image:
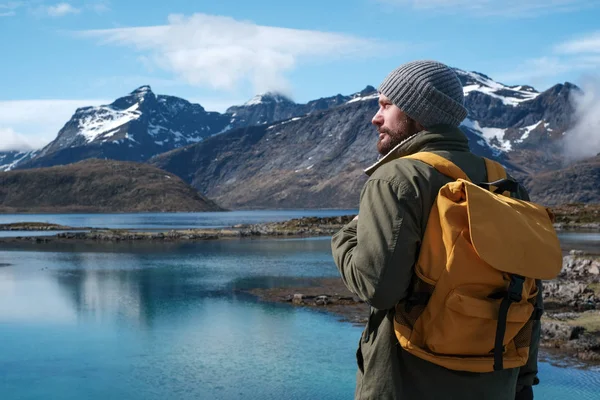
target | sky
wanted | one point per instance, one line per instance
(57, 56)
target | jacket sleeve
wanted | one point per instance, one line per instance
(376, 253)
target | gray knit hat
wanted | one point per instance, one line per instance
(427, 91)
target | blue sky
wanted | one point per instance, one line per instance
(57, 55)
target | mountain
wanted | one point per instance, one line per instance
(304, 162)
(98, 186)
(134, 128)
(271, 107)
(316, 160)
(10, 159)
(273, 152)
(140, 125)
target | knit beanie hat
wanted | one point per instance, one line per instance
(427, 91)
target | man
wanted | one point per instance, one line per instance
(421, 105)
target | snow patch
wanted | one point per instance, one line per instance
(493, 136)
(511, 96)
(527, 130)
(103, 120)
(364, 98)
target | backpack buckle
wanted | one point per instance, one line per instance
(515, 288)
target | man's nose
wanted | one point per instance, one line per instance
(377, 119)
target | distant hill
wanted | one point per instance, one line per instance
(98, 186)
(576, 183)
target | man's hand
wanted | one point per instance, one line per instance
(355, 218)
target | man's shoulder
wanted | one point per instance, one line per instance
(402, 170)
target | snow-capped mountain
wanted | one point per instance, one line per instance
(10, 159)
(135, 128)
(510, 118)
(316, 159)
(270, 107)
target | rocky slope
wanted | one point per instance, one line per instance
(98, 186)
(576, 183)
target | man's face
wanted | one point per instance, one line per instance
(393, 125)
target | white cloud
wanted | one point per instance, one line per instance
(583, 139)
(61, 9)
(11, 140)
(8, 14)
(35, 123)
(584, 45)
(505, 8)
(224, 53)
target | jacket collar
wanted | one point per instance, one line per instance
(436, 138)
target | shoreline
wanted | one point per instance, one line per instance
(297, 227)
(570, 324)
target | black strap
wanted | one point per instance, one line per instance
(416, 299)
(502, 185)
(513, 295)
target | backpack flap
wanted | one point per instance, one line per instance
(511, 235)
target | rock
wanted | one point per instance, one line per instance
(322, 300)
(560, 332)
(298, 298)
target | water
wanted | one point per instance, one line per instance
(165, 320)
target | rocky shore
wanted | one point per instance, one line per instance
(36, 226)
(577, 216)
(571, 322)
(308, 226)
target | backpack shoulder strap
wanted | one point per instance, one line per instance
(495, 170)
(441, 164)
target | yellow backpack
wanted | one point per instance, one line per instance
(474, 292)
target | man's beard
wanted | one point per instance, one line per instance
(394, 139)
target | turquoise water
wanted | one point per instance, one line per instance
(166, 321)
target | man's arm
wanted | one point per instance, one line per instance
(375, 253)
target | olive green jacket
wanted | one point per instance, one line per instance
(375, 255)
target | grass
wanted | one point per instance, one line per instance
(590, 320)
(595, 287)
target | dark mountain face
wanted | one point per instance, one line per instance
(134, 127)
(578, 182)
(312, 161)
